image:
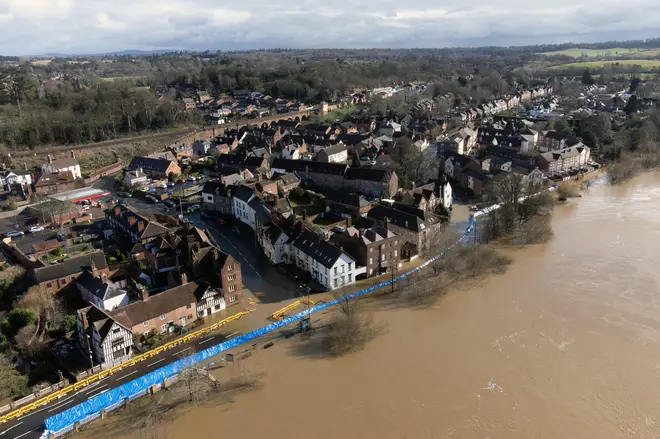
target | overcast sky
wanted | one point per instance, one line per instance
(92, 26)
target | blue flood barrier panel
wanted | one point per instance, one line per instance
(66, 419)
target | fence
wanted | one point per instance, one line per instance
(107, 372)
(65, 421)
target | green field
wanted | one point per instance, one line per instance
(121, 78)
(644, 63)
(614, 52)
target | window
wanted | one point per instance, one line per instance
(336, 283)
(116, 331)
(335, 270)
(189, 317)
(371, 250)
(395, 253)
(349, 266)
(232, 288)
(145, 323)
(162, 316)
(343, 268)
(188, 306)
(49, 284)
(233, 298)
(217, 307)
(371, 261)
(230, 267)
(382, 257)
(350, 277)
(164, 328)
(395, 242)
(231, 277)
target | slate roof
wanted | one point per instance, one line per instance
(351, 199)
(288, 179)
(96, 286)
(397, 218)
(149, 164)
(66, 162)
(70, 267)
(370, 174)
(244, 193)
(334, 149)
(215, 188)
(307, 166)
(319, 249)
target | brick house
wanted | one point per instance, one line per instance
(377, 248)
(551, 141)
(155, 168)
(287, 182)
(181, 151)
(160, 312)
(138, 227)
(371, 182)
(217, 197)
(54, 278)
(323, 175)
(347, 204)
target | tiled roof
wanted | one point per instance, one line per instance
(169, 300)
(70, 267)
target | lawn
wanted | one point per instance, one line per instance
(577, 52)
(644, 63)
(121, 78)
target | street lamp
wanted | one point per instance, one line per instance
(89, 349)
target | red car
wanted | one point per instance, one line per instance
(220, 222)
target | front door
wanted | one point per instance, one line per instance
(208, 311)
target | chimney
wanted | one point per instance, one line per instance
(104, 277)
(184, 278)
(258, 176)
(349, 222)
(144, 292)
(25, 166)
(73, 154)
(387, 224)
(95, 271)
(50, 158)
(131, 220)
(140, 226)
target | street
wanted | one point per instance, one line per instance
(30, 426)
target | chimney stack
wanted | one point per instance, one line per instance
(184, 278)
(349, 222)
(144, 292)
(50, 158)
(25, 166)
(131, 220)
(387, 224)
(73, 154)
(95, 271)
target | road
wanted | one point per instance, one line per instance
(30, 426)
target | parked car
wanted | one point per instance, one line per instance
(169, 203)
(13, 234)
(124, 194)
(192, 178)
(171, 184)
(35, 229)
(220, 222)
(151, 199)
(193, 208)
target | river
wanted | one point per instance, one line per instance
(566, 344)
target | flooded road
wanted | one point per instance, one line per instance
(566, 344)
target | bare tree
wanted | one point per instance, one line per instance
(48, 310)
(194, 381)
(351, 329)
(27, 343)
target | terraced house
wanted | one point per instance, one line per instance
(135, 226)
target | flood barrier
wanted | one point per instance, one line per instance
(66, 420)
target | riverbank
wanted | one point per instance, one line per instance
(564, 342)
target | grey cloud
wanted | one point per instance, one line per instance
(90, 26)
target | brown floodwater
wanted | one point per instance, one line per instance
(566, 344)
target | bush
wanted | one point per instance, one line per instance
(112, 259)
(566, 191)
(58, 252)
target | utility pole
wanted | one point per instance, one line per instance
(89, 349)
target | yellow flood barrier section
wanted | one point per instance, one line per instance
(104, 373)
(280, 312)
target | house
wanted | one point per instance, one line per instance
(58, 182)
(160, 312)
(531, 136)
(551, 141)
(273, 241)
(17, 176)
(136, 226)
(62, 165)
(94, 287)
(371, 182)
(416, 228)
(429, 196)
(181, 152)
(155, 168)
(455, 144)
(329, 266)
(201, 147)
(324, 175)
(568, 159)
(291, 151)
(287, 182)
(217, 197)
(53, 278)
(204, 96)
(209, 300)
(107, 339)
(244, 205)
(347, 204)
(333, 154)
(376, 248)
(135, 178)
(477, 182)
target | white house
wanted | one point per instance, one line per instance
(445, 193)
(329, 266)
(111, 341)
(210, 302)
(244, 204)
(18, 176)
(95, 288)
(291, 152)
(333, 154)
(274, 241)
(136, 177)
(62, 165)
